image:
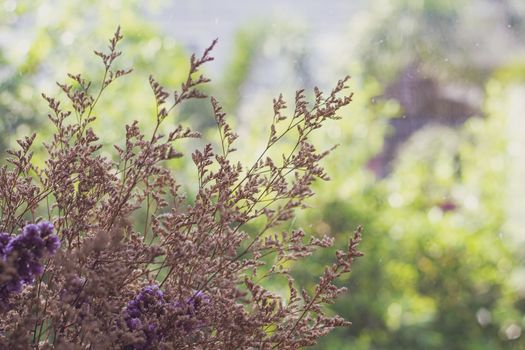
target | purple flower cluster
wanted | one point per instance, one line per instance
(140, 315)
(21, 256)
(143, 312)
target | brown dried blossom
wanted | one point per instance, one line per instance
(93, 293)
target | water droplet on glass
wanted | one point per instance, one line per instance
(484, 317)
(513, 331)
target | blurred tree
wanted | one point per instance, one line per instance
(16, 99)
(436, 271)
(442, 35)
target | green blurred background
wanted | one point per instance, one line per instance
(432, 151)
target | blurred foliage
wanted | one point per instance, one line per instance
(247, 44)
(435, 273)
(443, 35)
(436, 270)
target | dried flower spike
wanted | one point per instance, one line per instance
(130, 262)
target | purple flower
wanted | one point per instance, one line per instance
(146, 306)
(134, 324)
(149, 299)
(141, 315)
(52, 244)
(23, 253)
(46, 228)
